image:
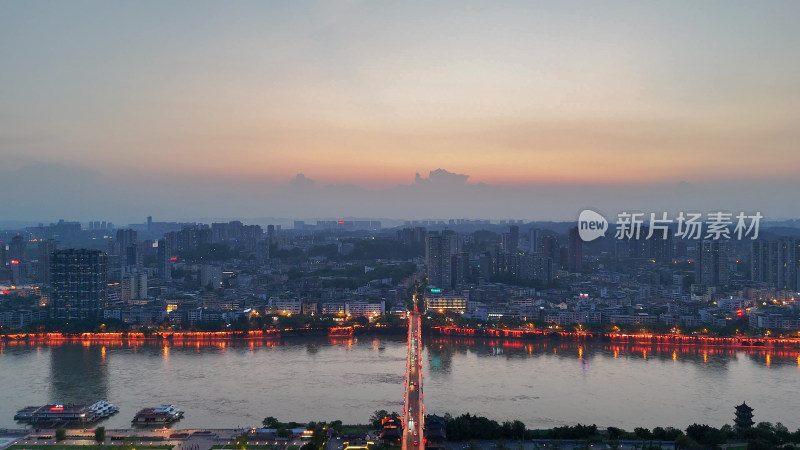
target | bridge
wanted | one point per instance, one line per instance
(413, 411)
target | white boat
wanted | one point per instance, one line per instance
(169, 409)
(103, 408)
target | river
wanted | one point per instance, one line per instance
(543, 383)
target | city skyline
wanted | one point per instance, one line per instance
(534, 111)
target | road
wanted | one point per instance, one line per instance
(194, 440)
(413, 413)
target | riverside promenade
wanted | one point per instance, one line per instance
(140, 439)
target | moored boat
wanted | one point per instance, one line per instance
(163, 414)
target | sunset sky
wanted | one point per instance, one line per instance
(187, 109)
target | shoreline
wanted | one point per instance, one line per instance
(744, 342)
(199, 336)
(621, 338)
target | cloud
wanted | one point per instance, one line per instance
(441, 177)
(302, 182)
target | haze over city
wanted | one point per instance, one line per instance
(311, 109)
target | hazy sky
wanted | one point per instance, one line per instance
(181, 109)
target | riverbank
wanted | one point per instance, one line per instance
(202, 336)
(740, 341)
(619, 337)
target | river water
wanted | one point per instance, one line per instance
(544, 384)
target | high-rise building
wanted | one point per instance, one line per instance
(783, 264)
(411, 235)
(485, 267)
(575, 255)
(776, 263)
(439, 252)
(46, 247)
(210, 276)
(79, 286)
(658, 246)
(17, 249)
(511, 239)
(126, 238)
(163, 261)
(661, 245)
(507, 266)
(134, 287)
(128, 249)
(192, 237)
(550, 247)
(462, 269)
(537, 268)
(759, 261)
(712, 263)
(534, 243)
(251, 238)
(239, 235)
(563, 258)
(19, 272)
(219, 231)
(639, 245)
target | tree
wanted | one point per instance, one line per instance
(283, 432)
(319, 436)
(377, 418)
(666, 434)
(100, 434)
(517, 430)
(706, 435)
(270, 422)
(61, 434)
(683, 441)
(614, 433)
(781, 432)
(643, 433)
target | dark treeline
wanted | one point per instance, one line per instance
(762, 436)
(467, 427)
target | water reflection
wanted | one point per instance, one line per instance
(78, 373)
(442, 349)
(70, 357)
(440, 356)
